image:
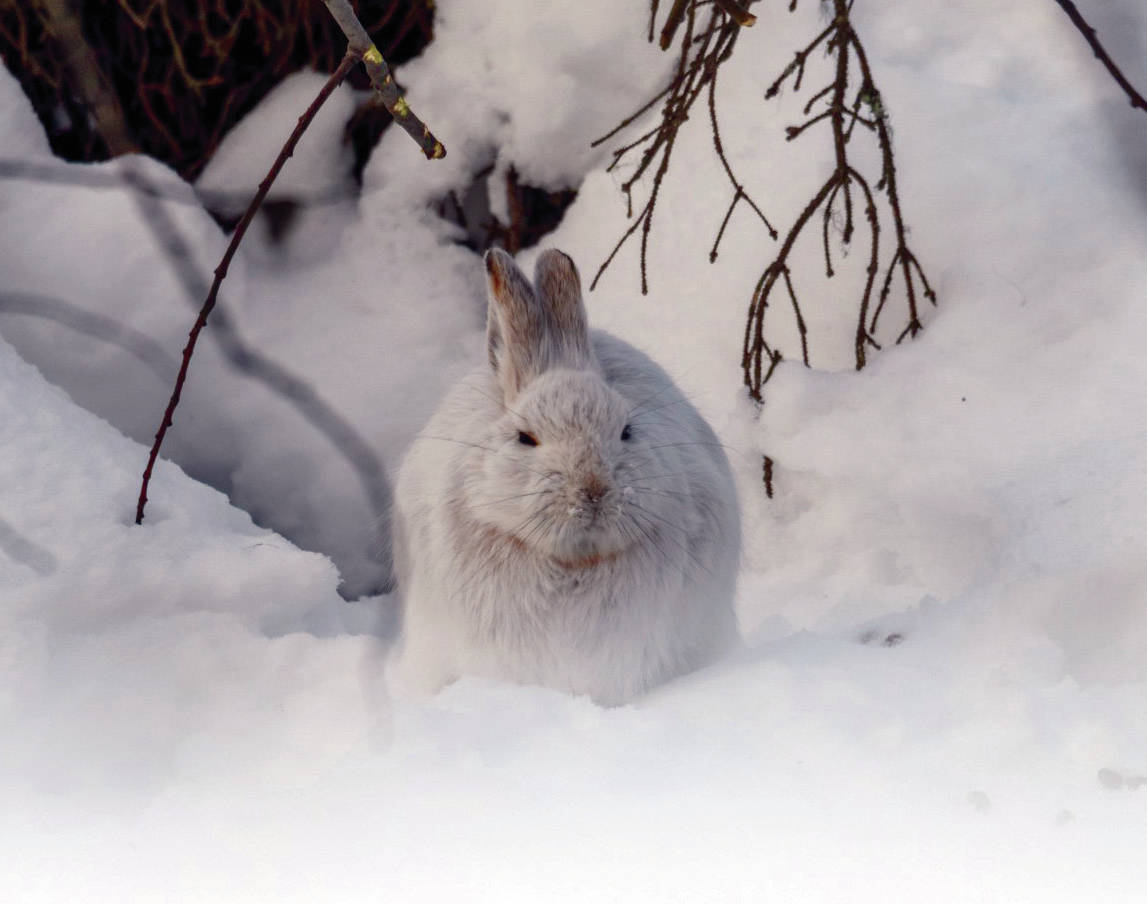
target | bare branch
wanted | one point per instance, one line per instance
(797, 65)
(87, 77)
(768, 476)
(360, 44)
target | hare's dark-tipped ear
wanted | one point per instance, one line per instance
(515, 324)
(559, 291)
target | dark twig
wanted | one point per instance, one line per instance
(902, 255)
(1137, 100)
(221, 271)
(739, 193)
(653, 17)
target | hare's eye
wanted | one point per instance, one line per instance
(526, 439)
(625, 434)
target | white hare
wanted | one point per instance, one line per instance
(566, 518)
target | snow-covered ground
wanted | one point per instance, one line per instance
(942, 695)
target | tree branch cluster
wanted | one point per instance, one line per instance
(183, 73)
(851, 99)
(842, 108)
(707, 40)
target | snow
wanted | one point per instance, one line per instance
(247, 151)
(940, 694)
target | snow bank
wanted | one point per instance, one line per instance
(122, 644)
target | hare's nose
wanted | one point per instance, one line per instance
(594, 489)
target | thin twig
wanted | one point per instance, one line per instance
(1089, 34)
(333, 82)
(902, 254)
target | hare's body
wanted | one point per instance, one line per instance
(575, 527)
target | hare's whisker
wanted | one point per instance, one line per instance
(460, 442)
(674, 540)
(508, 498)
(703, 443)
(684, 401)
(498, 402)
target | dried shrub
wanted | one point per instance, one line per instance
(185, 71)
(708, 31)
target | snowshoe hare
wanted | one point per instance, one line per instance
(566, 518)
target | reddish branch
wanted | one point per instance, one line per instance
(1137, 99)
(221, 271)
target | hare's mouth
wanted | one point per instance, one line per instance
(581, 548)
(587, 562)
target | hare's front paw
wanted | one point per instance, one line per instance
(417, 671)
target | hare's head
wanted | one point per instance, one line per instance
(565, 467)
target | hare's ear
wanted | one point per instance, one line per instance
(559, 291)
(516, 326)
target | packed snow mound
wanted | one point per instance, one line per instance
(119, 641)
(340, 336)
(316, 190)
(510, 89)
(320, 163)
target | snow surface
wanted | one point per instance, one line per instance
(941, 692)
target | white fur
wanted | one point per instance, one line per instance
(588, 563)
